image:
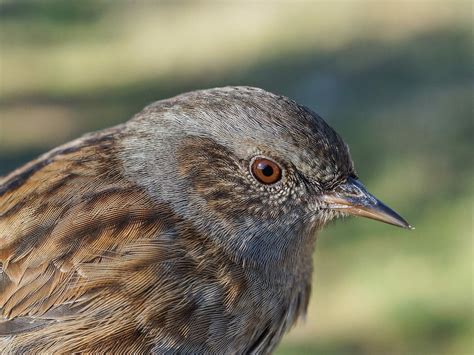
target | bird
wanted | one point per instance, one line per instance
(188, 229)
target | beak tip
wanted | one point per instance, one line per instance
(398, 221)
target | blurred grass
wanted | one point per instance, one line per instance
(394, 78)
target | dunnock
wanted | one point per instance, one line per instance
(188, 229)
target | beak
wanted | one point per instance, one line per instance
(353, 198)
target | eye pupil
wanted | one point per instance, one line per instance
(266, 171)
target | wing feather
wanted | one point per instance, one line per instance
(88, 262)
(58, 215)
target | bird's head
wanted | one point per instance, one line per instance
(256, 171)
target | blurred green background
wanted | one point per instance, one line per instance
(394, 78)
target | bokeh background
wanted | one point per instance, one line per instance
(394, 78)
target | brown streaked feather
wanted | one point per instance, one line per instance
(49, 231)
(91, 264)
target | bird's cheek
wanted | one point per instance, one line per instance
(321, 215)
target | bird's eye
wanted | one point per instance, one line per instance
(266, 171)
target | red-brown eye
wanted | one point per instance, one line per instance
(266, 171)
